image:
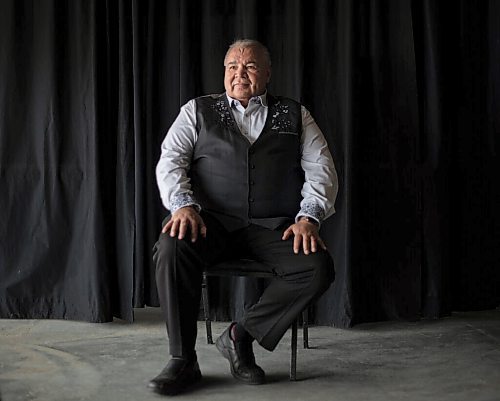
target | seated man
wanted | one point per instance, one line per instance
(244, 175)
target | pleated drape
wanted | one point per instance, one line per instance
(406, 92)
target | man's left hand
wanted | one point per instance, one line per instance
(306, 234)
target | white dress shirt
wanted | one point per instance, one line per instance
(320, 185)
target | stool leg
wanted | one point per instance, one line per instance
(206, 308)
(293, 361)
(305, 327)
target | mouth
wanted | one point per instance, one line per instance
(241, 84)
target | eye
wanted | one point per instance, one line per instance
(252, 67)
(231, 67)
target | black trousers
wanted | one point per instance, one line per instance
(179, 265)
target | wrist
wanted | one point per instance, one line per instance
(311, 210)
(183, 200)
(309, 220)
(189, 208)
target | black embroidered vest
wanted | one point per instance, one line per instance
(240, 183)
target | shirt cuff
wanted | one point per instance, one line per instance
(183, 200)
(311, 210)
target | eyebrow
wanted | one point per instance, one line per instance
(235, 62)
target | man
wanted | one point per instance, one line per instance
(244, 174)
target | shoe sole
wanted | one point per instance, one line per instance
(223, 350)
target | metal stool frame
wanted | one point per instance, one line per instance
(250, 268)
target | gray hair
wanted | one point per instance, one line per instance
(244, 43)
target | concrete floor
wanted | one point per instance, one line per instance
(456, 358)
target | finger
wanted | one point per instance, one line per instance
(305, 244)
(321, 243)
(314, 246)
(296, 243)
(182, 229)
(194, 230)
(203, 230)
(286, 233)
(166, 227)
(174, 227)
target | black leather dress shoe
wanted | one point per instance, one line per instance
(241, 359)
(176, 377)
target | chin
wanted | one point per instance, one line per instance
(242, 95)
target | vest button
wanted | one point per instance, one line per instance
(252, 182)
(252, 166)
(250, 199)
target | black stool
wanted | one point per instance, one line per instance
(251, 268)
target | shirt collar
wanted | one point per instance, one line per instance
(262, 100)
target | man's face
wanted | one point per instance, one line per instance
(246, 73)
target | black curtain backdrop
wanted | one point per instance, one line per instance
(406, 92)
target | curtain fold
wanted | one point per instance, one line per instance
(406, 93)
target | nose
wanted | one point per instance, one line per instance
(241, 70)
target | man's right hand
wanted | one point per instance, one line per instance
(183, 219)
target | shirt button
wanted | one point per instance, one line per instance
(252, 166)
(250, 199)
(252, 182)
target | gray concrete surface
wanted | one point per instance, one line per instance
(456, 358)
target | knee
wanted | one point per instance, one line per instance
(163, 250)
(324, 273)
(168, 251)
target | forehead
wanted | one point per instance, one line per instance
(244, 55)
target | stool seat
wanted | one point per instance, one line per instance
(250, 268)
